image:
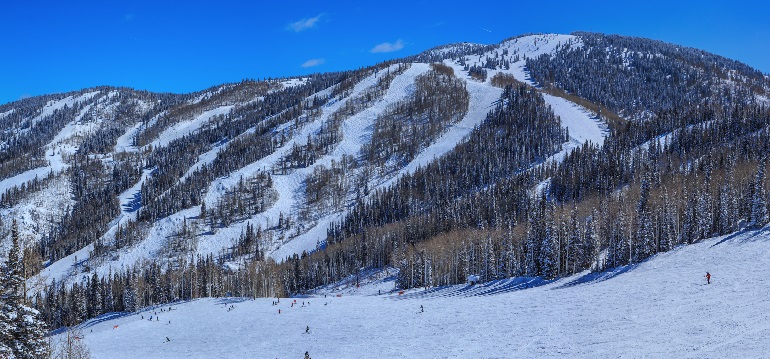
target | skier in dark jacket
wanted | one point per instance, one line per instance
(708, 278)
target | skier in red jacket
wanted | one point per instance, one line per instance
(708, 278)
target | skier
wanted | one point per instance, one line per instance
(307, 330)
(422, 310)
(307, 355)
(708, 278)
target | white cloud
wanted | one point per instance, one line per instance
(304, 24)
(388, 47)
(313, 62)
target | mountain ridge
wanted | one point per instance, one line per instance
(461, 154)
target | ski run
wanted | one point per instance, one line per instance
(659, 308)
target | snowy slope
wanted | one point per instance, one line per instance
(60, 144)
(659, 308)
(356, 131)
(583, 126)
(482, 99)
(183, 128)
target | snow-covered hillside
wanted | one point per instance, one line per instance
(356, 131)
(356, 189)
(659, 308)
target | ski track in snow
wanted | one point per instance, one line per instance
(482, 99)
(180, 129)
(583, 125)
(659, 308)
(59, 144)
(356, 131)
(153, 245)
(288, 186)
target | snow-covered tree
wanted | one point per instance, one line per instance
(21, 329)
(129, 296)
(645, 237)
(758, 198)
(548, 258)
(574, 248)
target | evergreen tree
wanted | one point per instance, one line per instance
(668, 232)
(645, 241)
(532, 241)
(129, 296)
(6, 328)
(758, 200)
(593, 239)
(574, 247)
(548, 258)
(21, 328)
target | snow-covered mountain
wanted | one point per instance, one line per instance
(138, 124)
(533, 159)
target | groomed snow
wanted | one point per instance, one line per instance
(482, 100)
(355, 132)
(60, 144)
(183, 128)
(659, 308)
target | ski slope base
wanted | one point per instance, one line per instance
(659, 308)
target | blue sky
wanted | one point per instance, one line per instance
(160, 46)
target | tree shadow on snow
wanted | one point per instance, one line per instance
(90, 323)
(230, 300)
(476, 290)
(597, 277)
(744, 235)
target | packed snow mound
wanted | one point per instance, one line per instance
(659, 308)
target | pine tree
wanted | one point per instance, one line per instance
(94, 297)
(704, 211)
(489, 266)
(533, 238)
(645, 241)
(668, 233)
(574, 246)
(21, 329)
(6, 329)
(548, 263)
(621, 250)
(758, 201)
(129, 295)
(592, 238)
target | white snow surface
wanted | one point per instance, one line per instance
(659, 308)
(54, 105)
(482, 99)
(54, 150)
(356, 131)
(183, 128)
